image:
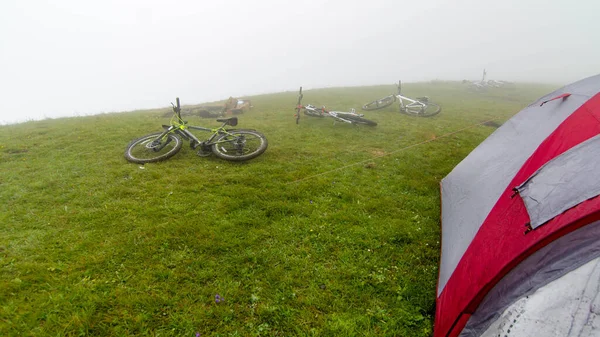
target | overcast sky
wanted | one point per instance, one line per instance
(78, 57)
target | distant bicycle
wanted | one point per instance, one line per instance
(341, 116)
(420, 106)
(228, 144)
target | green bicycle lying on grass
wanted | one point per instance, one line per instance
(228, 144)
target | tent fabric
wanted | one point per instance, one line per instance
(563, 182)
(465, 203)
(483, 264)
(543, 267)
(575, 313)
(484, 233)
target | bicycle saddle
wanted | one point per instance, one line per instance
(230, 121)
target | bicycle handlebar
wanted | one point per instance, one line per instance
(177, 108)
(300, 95)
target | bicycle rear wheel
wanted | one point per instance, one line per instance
(357, 120)
(240, 145)
(313, 113)
(150, 148)
(426, 110)
(380, 103)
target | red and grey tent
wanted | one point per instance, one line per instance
(521, 225)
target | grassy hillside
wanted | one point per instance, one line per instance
(333, 231)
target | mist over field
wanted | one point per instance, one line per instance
(69, 57)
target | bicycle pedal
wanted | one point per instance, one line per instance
(202, 153)
(204, 150)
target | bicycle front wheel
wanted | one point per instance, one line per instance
(426, 110)
(380, 103)
(240, 145)
(151, 148)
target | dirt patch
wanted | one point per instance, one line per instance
(15, 151)
(492, 124)
(378, 153)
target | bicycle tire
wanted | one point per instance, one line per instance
(431, 109)
(380, 103)
(142, 146)
(357, 120)
(234, 145)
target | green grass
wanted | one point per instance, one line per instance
(333, 231)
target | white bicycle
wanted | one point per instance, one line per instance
(341, 116)
(420, 106)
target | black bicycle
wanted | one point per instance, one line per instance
(228, 144)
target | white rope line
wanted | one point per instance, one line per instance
(393, 152)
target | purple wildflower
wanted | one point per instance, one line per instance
(198, 334)
(218, 298)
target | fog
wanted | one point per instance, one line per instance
(73, 57)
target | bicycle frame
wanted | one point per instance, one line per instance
(180, 127)
(322, 112)
(412, 104)
(183, 131)
(333, 114)
(419, 106)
